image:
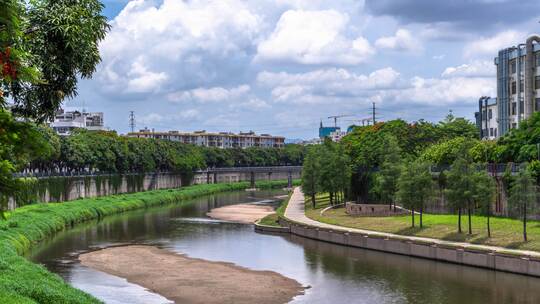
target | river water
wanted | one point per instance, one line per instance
(335, 274)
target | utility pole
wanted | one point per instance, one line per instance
(373, 114)
(132, 121)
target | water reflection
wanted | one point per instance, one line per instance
(336, 274)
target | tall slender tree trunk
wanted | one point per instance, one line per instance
(469, 215)
(331, 198)
(488, 226)
(525, 222)
(459, 220)
(412, 213)
(421, 213)
(313, 200)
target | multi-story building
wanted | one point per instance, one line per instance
(487, 118)
(518, 84)
(219, 140)
(66, 121)
(327, 131)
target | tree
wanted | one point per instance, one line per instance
(311, 175)
(483, 194)
(20, 143)
(461, 187)
(54, 43)
(523, 196)
(415, 188)
(387, 178)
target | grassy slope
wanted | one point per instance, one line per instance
(505, 232)
(24, 282)
(272, 219)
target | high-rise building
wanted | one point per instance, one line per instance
(518, 86)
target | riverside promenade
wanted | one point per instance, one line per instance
(492, 257)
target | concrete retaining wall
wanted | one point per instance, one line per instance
(453, 254)
(271, 229)
(372, 210)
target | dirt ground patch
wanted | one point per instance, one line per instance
(188, 280)
(242, 213)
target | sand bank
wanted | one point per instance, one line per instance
(242, 213)
(188, 280)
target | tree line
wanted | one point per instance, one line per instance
(391, 162)
(106, 151)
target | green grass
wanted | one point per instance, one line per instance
(24, 282)
(505, 232)
(273, 219)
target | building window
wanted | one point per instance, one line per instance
(521, 86)
(537, 82)
(513, 66)
(513, 109)
(490, 114)
(538, 59)
(537, 104)
(513, 88)
(495, 132)
(490, 131)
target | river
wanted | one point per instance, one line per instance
(335, 274)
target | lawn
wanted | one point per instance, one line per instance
(505, 232)
(272, 219)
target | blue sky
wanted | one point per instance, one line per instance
(279, 67)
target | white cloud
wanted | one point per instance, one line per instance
(314, 37)
(438, 92)
(475, 68)
(403, 40)
(159, 119)
(206, 95)
(187, 43)
(491, 45)
(340, 86)
(141, 80)
(327, 82)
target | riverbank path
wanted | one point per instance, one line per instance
(295, 212)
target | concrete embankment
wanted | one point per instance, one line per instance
(490, 257)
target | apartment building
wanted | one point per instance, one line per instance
(219, 140)
(65, 122)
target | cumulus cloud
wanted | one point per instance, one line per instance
(190, 43)
(327, 82)
(403, 40)
(491, 45)
(384, 85)
(160, 119)
(475, 68)
(206, 95)
(314, 37)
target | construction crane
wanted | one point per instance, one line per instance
(363, 121)
(335, 117)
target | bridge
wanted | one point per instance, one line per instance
(212, 175)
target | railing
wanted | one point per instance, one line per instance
(491, 168)
(252, 169)
(83, 173)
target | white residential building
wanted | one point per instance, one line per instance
(66, 121)
(219, 140)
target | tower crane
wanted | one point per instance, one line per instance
(335, 117)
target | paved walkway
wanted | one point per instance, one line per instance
(295, 213)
